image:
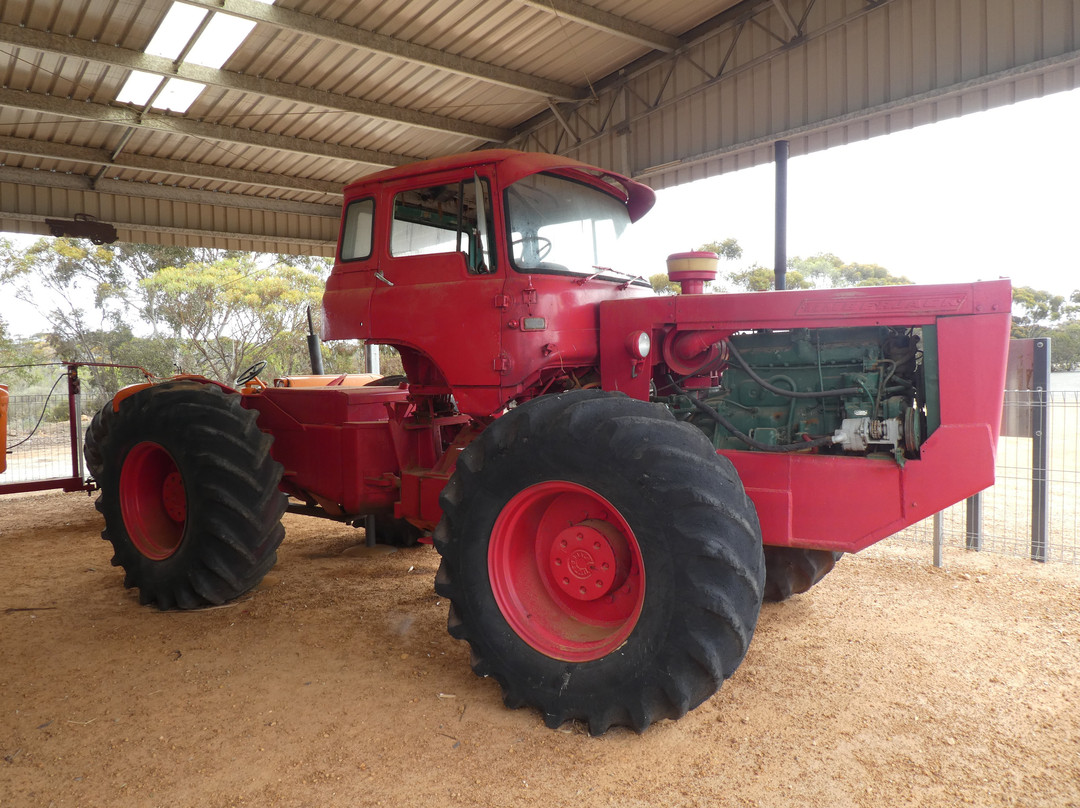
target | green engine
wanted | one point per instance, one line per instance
(842, 390)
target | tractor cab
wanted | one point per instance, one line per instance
(484, 270)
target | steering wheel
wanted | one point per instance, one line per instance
(543, 245)
(251, 372)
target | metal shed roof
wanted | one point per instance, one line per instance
(321, 92)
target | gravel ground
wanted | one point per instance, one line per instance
(335, 684)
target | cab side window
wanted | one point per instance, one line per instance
(446, 218)
(357, 232)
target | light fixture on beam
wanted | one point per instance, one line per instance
(83, 225)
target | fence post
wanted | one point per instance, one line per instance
(974, 522)
(1040, 428)
(75, 420)
(939, 538)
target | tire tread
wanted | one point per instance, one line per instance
(720, 570)
(233, 526)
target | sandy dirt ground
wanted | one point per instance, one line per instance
(335, 684)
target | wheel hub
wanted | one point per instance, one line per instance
(584, 562)
(173, 497)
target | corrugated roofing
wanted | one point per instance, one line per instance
(318, 94)
(321, 92)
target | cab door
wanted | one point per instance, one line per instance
(347, 297)
(439, 288)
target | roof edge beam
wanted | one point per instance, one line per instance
(268, 242)
(170, 124)
(87, 155)
(146, 190)
(399, 48)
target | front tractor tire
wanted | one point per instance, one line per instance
(602, 561)
(793, 570)
(189, 493)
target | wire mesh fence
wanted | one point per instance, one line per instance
(39, 442)
(1009, 510)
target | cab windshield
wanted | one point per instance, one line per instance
(558, 225)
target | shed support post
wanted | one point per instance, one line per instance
(780, 155)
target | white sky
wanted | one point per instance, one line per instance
(988, 195)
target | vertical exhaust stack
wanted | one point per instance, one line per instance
(780, 154)
(314, 347)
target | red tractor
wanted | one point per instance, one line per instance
(614, 479)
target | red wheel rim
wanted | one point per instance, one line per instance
(566, 571)
(152, 500)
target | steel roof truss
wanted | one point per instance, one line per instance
(624, 87)
(562, 121)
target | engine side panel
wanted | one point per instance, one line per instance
(828, 499)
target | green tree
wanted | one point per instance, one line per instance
(756, 278)
(820, 271)
(870, 275)
(728, 249)
(1065, 346)
(7, 347)
(75, 285)
(828, 271)
(663, 285)
(1039, 313)
(20, 360)
(91, 298)
(228, 313)
(1035, 311)
(142, 261)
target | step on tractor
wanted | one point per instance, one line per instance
(615, 480)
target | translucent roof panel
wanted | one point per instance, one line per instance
(219, 41)
(178, 95)
(138, 88)
(176, 30)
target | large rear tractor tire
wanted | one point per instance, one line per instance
(602, 561)
(793, 570)
(189, 493)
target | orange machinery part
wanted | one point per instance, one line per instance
(3, 426)
(341, 380)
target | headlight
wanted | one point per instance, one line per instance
(639, 344)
